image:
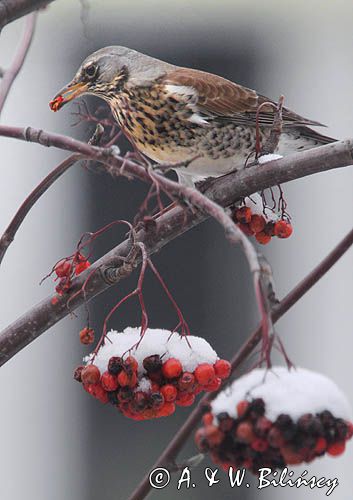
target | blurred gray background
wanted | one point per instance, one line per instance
(57, 443)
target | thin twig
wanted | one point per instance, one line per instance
(271, 143)
(11, 230)
(11, 73)
(171, 452)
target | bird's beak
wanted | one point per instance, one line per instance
(68, 93)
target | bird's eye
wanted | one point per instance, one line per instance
(90, 70)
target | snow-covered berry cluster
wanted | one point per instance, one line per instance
(276, 419)
(148, 379)
(66, 269)
(253, 220)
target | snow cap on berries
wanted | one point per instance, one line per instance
(294, 393)
(156, 341)
(256, 204)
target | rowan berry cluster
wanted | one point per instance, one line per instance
(66, 269)
(163, 385)
(254, 434)
(258, 225)
(252, 441)
(151, 386)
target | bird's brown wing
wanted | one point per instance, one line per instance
(222, 99)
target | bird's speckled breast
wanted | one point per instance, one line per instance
(160, 127)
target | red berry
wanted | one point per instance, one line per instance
(270, 228)
(290, 456)
(87, 336)
(157, 400)
(262, 426)
(336, 449)
(263, 238)
(244, 432)
(156, 377)
(246, 229)
(126, 380)
(275, 438)
(222, 368)
(243, 215)
(259, 445)
(56, 104)
(90, 374)
(226, 424)
(155, 387)
(283, 229)
(81, 266)
(77, 373)
(97, 391)
(115, 365)
(257, 223)
(186, 382)
(185, 399)
(63, 286)
(205, 373)
(109, 382)
(172, 368)
(167, 409)
(247, 463)
(125, 394)
(148, 413)
(242, 407)
(63, 268)
(54, 300)
(139, 402)
(131, 364)
(152, 363)
(214, 385)
(321, 445)
(200, 439)
(169, 392)
(207, 418)
(213, 435)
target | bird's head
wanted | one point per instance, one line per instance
(104, 74)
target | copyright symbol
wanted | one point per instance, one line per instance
(159, 478)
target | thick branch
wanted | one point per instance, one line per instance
(11, 73)
(10, 10)
(224, 191)
(168, 457)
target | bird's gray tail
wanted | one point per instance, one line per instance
(311, 134)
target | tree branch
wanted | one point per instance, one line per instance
(10, 10)
(224, 190)
(169, 455)
(11, 73)
(106, 271)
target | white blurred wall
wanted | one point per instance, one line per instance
(42, 436)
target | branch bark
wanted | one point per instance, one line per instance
(169, 455)
(106, 271)
(10, 10)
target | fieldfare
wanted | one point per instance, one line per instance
(173, 114)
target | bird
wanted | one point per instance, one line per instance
(202, 123)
